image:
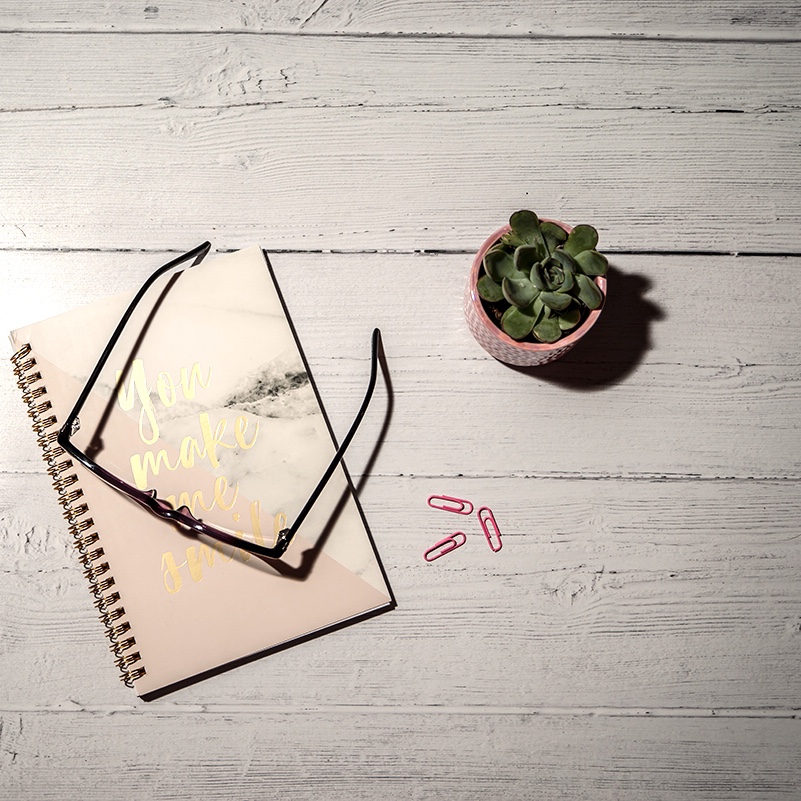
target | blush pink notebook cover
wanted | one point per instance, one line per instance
(186, 606)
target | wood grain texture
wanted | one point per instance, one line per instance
(248, 148)
(499, 18)
(460, 75)
(646, 594)
(735, 417)
(372, 755)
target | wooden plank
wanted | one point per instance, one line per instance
(649, 288)
(220, 71)
(735, 416)
(654, 18)
(375, 178)
(307, 754)
(620, 594)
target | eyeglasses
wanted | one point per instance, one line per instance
(182, 515)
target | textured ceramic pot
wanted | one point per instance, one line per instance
(501, 345)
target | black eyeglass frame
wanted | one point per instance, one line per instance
(149, 498)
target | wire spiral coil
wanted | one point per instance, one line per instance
(76, 513)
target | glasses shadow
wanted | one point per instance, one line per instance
(617, 343)
(95, 444)
(311, 555)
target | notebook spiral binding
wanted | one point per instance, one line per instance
(85, 539)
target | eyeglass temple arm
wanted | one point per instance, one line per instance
(198, 254)
(289, 533)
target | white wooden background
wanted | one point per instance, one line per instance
(639, 635)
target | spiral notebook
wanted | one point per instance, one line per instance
(211, 399)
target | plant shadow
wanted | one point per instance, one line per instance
(617, 343)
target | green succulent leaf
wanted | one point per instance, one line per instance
(498, 264)
(526, 256)
(516, 323)
(537, 309)
(545, 274)
(553, 276)
(569, 318)
(591, 262)
(519, 292)
(553, 235)
(547, 330)
(588, 293)
(526, 225)
(537, 277)
(489, 290)
(555, 300)
(568, 266)
(581, 238)
(512, 240)
(565, 260)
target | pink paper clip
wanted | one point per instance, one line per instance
(490, 528)
(458, 505)
(445, 545)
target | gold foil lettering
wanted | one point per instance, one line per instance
(151, 438)
(166, 389)
(137, 388)
(194, 556)
(255, 522)
(154, 461)
(211, 440)
(197, 499)
(240, 427)
(220, 488)
(189, 447)
(149, 462)
(172, 574)
(188, 382)
(192, 503)
(206, 447)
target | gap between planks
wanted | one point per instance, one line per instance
(784, 713)
(777, 38)
(649, 478)
(747, 254)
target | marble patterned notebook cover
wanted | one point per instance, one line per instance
(216, 409)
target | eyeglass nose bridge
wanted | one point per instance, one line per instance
(183, 517)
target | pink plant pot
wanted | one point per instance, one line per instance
(501, 345)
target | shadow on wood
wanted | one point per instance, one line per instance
(617, 343)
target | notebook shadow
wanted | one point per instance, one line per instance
(617, 343)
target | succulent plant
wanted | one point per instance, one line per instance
(540, 278)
